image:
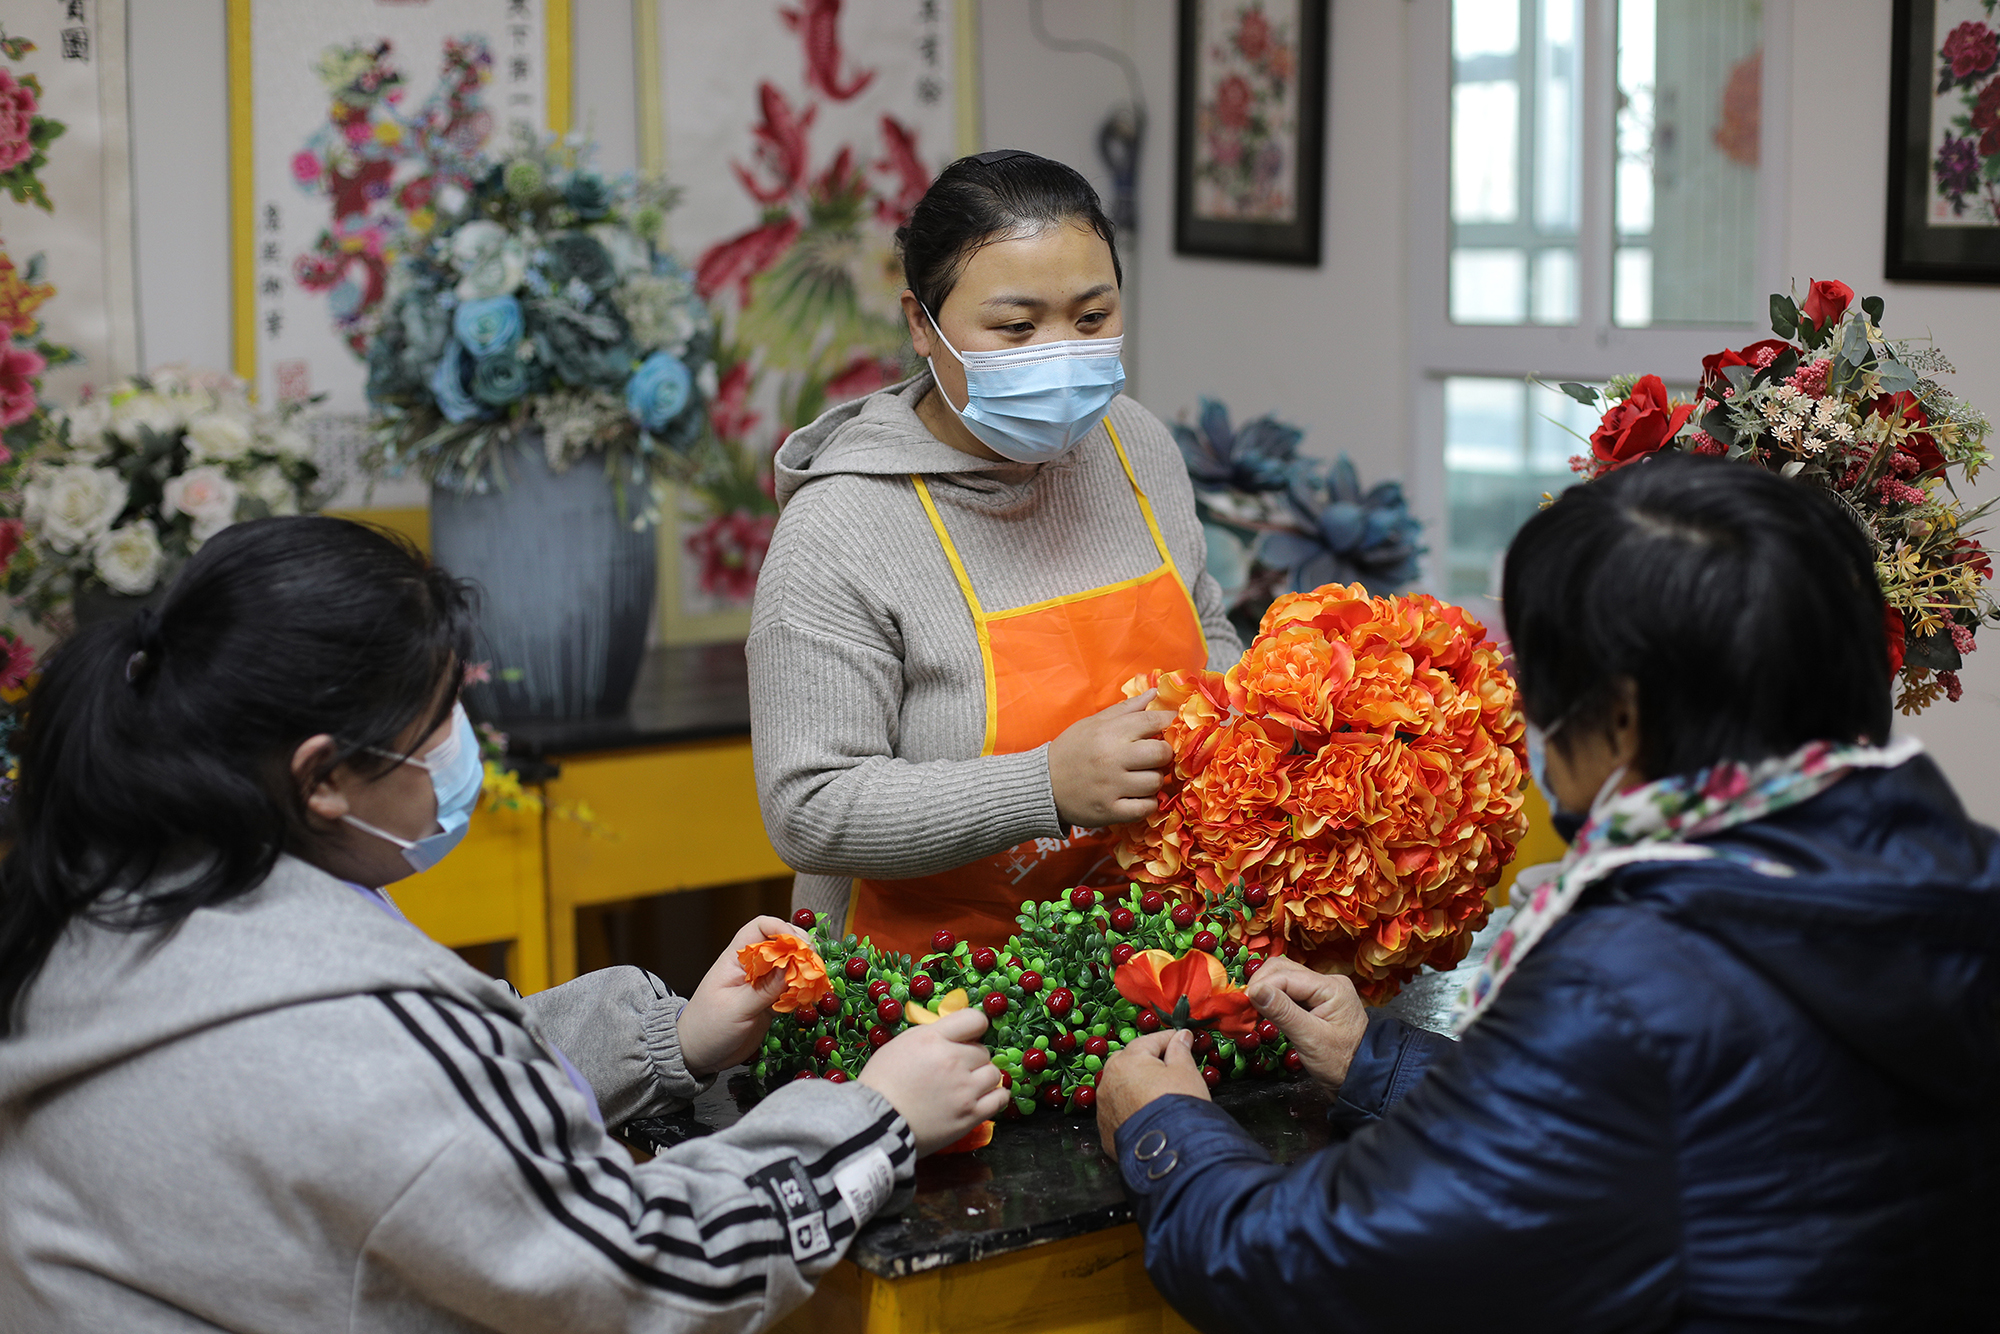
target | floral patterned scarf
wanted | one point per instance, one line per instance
(1658, 823)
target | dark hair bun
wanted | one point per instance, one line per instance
(993, 194)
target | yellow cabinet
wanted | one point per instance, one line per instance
(488, 890)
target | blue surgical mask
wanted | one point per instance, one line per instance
(1567, 823)
(1032, 404)
(456, 774)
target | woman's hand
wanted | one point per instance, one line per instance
(939, 1077)
(1321, 1015)
(1104, 769)
(726, 1017)
(1149, 1067)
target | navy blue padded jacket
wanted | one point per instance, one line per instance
(1708, 1100)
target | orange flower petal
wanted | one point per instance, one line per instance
(978, 1137)
(805, 973)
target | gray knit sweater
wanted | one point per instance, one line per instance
(866, 692)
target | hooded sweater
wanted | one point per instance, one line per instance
(295, 1112)
(867, 694)
(1753, 1093)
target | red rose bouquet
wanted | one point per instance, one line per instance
(1358, 773)
(1836, 404)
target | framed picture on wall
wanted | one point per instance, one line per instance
(1944, 143)
(1251, 129)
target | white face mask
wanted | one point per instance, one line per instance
(1032, 404)
(456, 775)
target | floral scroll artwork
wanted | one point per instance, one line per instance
(1944, 142)
(1247, 113)
(383, 171)
(845, 129)
(1358, 776)
(1965, 119)
(1278, 523)
(1836, 403)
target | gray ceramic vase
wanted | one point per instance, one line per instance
(566, 587)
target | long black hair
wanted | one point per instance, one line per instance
(988, 197)
(163, 742)
(1743, 606)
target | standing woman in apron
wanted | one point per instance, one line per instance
(967, 566)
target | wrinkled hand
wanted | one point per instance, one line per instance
(939, 1077)
(726, 1017)
(1149, 1067)
(1104, 769)
(1320, 1014)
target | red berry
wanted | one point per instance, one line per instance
(1152, 901)
(1147, 1022)
(1252, 964)
(1294, 1062)
(809, 1016)
(921, 987)
(1204, 1044)
(1060, 1000)
(857, 968)
(1122, 919)
(878, 1036)
(1097, 1047)
(1256, 896)
(1035, 1060)
(825, 1046)
(1006, 1080)
(1205, 941)
(836, 1077)
(878, 989)
(829, 1005)
(804, 1074)
(1013, 1112)
(1183, 916)
(888, 1009)
(804, 919)
(983, 959)
(1210, 1075)
(1065, 1043)
(943, 942)
(1121, 954)
(1086, 1098)
(1250, 1041)
(1052, 1094)
(1031, 982)
(1081, 899)
(1268, 1030)
(1013, 961)
(995, 1004)
(1229, 950)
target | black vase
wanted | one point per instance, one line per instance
(566, 581)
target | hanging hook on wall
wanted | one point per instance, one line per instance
(1122, 135)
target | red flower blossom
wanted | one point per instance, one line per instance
(1986, 119)
(1253, 35)
(731, 548)
(1826, 301)
(743, 257)
(1638, 426)
(1232, 102)
(17, 660)
(1159, 981)
(1972, 49)
(1898, 637)
(18, 368)
(1919, 444)
(1965, 551)
(1712, 366)
(17, 122)
(860, 377)
(731, 413)
(11, 531)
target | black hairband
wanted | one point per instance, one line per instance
(146, 634)
(999, 155)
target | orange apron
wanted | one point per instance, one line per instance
(1047, 665)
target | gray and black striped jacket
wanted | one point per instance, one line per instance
(297, 1113)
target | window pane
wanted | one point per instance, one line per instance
(1515, 160)
(1690, 75)
(1506, 443)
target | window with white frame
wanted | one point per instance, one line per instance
(1595, 194)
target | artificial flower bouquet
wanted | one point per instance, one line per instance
(540, 299)
(1359, 772)
(1835, 403)
(1082, 976)
(1278, 523)
(126, 485)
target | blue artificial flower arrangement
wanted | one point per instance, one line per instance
(1277, 523)
(537, 308)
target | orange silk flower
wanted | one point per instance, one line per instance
(805, 975)
(1157, 979)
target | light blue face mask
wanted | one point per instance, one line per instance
(1567, 823)
(456, 774)
(1032, 404)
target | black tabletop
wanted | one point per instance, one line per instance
(696, 692)
(1042, 1179)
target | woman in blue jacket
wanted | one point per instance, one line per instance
(1736, 1067)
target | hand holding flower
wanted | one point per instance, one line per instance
(726, 1017)
(1104, 769)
